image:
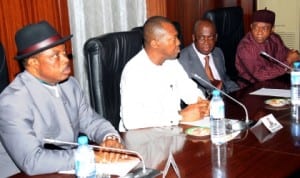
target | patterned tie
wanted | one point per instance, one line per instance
(208, 69)
(216, 83)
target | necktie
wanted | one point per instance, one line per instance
(208, 69)
(216, 83)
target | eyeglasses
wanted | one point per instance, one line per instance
(204, 38)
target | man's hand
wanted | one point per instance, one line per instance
(292, 56)
(104, 156)
(195, 111)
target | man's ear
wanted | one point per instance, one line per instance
(273, 29)
(154, 43)
(32, 61)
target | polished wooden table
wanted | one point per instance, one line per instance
(250, 154)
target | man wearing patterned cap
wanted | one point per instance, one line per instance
(45, 102)
(250, 64)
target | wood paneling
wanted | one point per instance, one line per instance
(186, 12)
(249, 7)
(156, 7)
(14, 14)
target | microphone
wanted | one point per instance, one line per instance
(278, 61)
(235, 125)
(144, 172)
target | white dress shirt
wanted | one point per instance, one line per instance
(211, 63)
(150, 93)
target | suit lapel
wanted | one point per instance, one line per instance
(39, 96)
(218, 64)
(195, 63)
(52, 110)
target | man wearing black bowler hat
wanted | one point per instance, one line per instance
(45, 102)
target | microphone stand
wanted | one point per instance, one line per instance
(139, 173)
(233, 124)
(276, 60)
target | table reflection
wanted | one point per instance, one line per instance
(155, 144)
(295, 132)
(219, 160)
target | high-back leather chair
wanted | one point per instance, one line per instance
(230, 28)
(3, 69)
(106, 57)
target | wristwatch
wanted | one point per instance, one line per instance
(112, 137)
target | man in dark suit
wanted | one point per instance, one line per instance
(206, 60)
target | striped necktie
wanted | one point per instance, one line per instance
(208, 69)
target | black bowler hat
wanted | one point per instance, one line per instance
(35, 38)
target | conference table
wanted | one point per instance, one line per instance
(252, 153)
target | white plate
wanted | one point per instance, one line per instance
(277, 102)
(198, 131)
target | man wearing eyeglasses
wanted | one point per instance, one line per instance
(206, 60)
(250, 64)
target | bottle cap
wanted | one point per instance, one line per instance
(82, 140)
(296, 64)
(215, 92)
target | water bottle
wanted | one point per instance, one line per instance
(295, 84)
(295, 90)
(217, 119)
(85, 166)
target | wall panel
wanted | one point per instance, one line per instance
(186, 12)
(156, 7)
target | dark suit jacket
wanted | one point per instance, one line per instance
(192, 65)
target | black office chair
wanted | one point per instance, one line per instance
(230, 28)
(3, 69)
(106, 57)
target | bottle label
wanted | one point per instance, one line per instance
(217, 122)
(85, 162)
(295, 78)
(295, 87)
(217, 111)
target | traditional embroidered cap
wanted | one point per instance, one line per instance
(264, 15)
(35, 38)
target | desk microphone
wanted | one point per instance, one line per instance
(278, 61)
(144, 172)
(234, 125)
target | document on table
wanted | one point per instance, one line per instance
(272, 92)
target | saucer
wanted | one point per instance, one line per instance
(198, 131)
(277, 102)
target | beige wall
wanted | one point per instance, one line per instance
(287, 22)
